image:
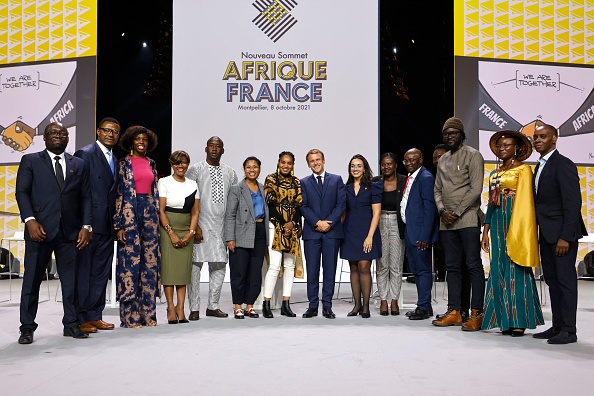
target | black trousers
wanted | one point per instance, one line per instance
(245, 269)
(94, 267)
(462, 248)
(560, 276)
(37, 255)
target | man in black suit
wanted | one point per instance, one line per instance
(95, 261)
(558, 214)
(54, 199)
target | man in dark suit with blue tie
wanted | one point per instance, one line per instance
(558, 202)
(95, 261)
(54, 199)
(419, 213)
(324, 201)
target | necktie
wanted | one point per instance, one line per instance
(538, 170)
(111, 163)
(59, 172)
(320, 182)
(406, 184)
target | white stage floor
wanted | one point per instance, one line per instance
(290, 356)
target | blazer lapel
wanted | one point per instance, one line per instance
(49, 162)
(245, 190)
(547, 168)
(69, 168)
(101, 158)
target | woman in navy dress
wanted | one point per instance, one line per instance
(362, 242)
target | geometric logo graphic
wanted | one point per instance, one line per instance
(274, 18)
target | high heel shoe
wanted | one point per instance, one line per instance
(384, 312)
(176, 321)
(266, 311)
(286, 309)
(396, 311)
(355, 312)
(365, 314)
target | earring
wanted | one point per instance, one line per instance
(131, 150)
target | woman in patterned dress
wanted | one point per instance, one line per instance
(511, 299)
(136, 221)
(282, 192)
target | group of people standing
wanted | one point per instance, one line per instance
(167, 228)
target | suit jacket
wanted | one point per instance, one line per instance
(240, 218)
(328, 204)
(38, 195)
(103, 187)
(559, 201)
(421, 212)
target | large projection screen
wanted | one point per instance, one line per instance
(274, 75)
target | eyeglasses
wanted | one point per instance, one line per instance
(505, 146)
(57, 133)
(109, 130)
(410, 161)
(451, 133)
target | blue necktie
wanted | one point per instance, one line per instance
(111, 163)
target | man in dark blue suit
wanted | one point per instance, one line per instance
(324, 201)
(54, 199)
(95, 261)
(558, 202)
(419, 213)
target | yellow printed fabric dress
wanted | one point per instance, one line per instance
(511, 299)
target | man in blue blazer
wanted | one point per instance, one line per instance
(54, 199)
(95, 261)
(419, 213)
(558, 202)
(324, 201)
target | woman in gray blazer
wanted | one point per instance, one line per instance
(246, 234)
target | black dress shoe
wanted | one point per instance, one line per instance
(547, 334)
(384, 313)
(184, 321)
(517, 332)
(310, 313)
(563, 338)
(75, 332)
(365, 314)
(420, 314)
(328, 314)
(26, 336)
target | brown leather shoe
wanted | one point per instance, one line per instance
(194, 315)
(101, 325)
(88, 327)
(474, 322)
(450, 318)
(217, 313)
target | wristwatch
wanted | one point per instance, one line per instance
(441, 211)
(88, 228)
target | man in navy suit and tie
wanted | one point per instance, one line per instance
(54, 198)
(324, 201)
(419, 213)
(558, 213)
(95, 261)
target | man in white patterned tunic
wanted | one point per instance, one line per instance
(214, 180)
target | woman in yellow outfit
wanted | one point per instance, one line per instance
(511, 298)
